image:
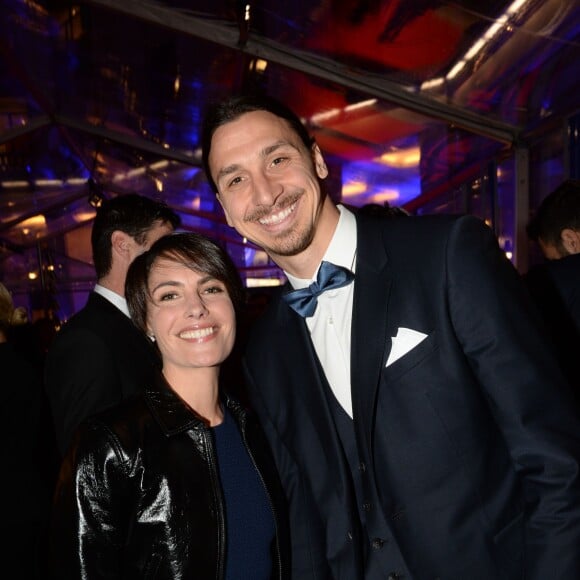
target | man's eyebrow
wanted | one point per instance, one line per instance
(275, 146)
(227, 171)
(264, 153)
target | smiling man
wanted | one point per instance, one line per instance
(421, 427)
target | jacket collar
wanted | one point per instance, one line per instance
(172, 413)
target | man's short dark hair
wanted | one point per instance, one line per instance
(558, 211)
(229, 110)
(132, 214)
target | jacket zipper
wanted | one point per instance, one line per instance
(220, 571)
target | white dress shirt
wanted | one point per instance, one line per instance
(114, 298)
(331, 323)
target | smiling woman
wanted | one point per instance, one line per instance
(184, 447)
(187, 297)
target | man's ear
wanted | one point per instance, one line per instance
(121, 244)
(319, 163)
(571, 240)
(228, 220)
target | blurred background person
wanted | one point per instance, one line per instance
(25, 486)
(177, 482)
(555, 283)
(555, 226)
(99, 358)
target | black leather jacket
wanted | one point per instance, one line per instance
(138, 494)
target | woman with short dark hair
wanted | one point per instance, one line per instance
(177, 482)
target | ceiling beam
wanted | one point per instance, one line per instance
(31, 125)
(128, 140)
(226, 34)
(41, 208)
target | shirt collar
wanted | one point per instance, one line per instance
(341, 250)
(113, 298)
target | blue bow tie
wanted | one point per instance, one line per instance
(305, 300)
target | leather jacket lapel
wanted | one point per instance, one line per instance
(169, 410)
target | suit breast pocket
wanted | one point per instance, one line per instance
(412, 358)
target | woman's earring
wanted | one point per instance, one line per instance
(151, 337)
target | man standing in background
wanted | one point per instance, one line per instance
(99, 357)
(555, 283)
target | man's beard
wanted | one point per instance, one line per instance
(291, 243)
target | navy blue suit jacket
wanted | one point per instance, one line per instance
(96, 360)
(468, 442)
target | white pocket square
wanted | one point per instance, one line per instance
(406, 340)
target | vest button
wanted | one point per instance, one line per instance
(377, 543)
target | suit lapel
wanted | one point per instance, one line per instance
(370, 338)
(306, 397)
(308, 377)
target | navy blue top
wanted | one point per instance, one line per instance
(250, 528)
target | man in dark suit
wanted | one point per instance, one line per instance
(419, 424)
(99, 357)
(555, 283)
